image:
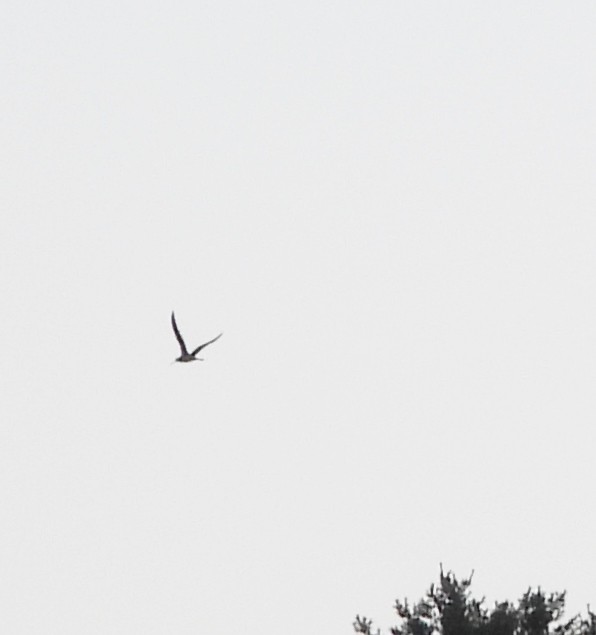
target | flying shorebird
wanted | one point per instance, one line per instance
(186, 356)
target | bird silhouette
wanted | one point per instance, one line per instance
(185, 355)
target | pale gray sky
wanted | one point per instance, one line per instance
(389, 208)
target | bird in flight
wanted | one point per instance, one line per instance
(185, 355)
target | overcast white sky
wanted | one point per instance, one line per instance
(389, 208)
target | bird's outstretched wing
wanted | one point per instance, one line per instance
(178, 336)
(202, 346)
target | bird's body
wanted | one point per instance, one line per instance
(185, 355)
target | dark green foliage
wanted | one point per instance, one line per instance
(362, 625)
(450, 609)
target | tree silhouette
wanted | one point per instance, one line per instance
(450, 609)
